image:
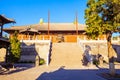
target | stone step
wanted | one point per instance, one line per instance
(66, 54)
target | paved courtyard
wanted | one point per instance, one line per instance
(57, 73)
(62, 67)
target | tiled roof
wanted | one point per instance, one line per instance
(6, 20)
(53, 27)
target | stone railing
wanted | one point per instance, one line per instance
(80, 41)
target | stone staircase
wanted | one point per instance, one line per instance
(66, 54)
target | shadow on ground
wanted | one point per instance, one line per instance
(73, 74)
(16, 68)
(20, 67)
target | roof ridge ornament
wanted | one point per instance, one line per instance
(41, 21)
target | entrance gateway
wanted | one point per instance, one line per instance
(60, 38)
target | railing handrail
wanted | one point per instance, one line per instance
(35, 41)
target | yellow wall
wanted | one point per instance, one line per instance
(54, 37)
(70, 38)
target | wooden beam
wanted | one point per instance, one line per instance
(76, 24)
(48, 23)
(1, 31)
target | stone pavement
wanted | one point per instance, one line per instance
(56, 73)
(56, 70)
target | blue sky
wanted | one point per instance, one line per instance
(26, 12)
(30, 11)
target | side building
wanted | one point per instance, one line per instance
(4, 42)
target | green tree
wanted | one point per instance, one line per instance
(15, 47)
(103, 17)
